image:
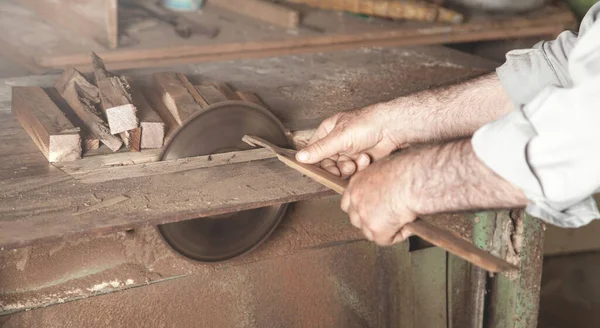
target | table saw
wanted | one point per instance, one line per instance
(55, 213)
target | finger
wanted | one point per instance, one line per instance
(330, 166)
(368, 234)
(324, 129)
(345, 204)
(362, 162)
(355, 219)
(346, 166)
(328, 146)
(401, 236)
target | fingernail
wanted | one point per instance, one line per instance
(347, 169)
(364, 159)
(303, 155)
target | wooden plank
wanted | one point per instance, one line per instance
(250, 97)
(348, 34)
(115, 98)
(152, 127)
(55, 136)
(175, 96)
(94, 174)
(210, 93)
(262, 10)
(226, 91)
(96, 19)
(81, 95)
(190, 88)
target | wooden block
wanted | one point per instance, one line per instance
(262, 10)
(90, 143)
(175, 96)
(226, 91)
(55, 136)
(250, 97)
(82, 97)
(199, 100)
(156, 100)
(132, 139)
(152, 127)
(210, 93)
(88, 140)
(115, 98)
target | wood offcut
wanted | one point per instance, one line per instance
(82, 97)
(115, 98)
(175, 96)
(435, 235)
(152, 128)
(55, 136)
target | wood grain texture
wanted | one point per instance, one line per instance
(81, 96)
(55, 136)
(87, 173)
(115, 98)
(88, 140)
(250, 97)
(262, 10)
(345, 32)
(190, 88)
(95, 19)
(175, 96)
(210, 93)
(32, 214)
(152, 133)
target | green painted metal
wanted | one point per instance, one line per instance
(513, 299)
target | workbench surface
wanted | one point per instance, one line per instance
(39, 202)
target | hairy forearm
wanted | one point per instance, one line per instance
(449, 112)
(450, 177)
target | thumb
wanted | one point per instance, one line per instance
(330, 145)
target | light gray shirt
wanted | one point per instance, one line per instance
(550, 146)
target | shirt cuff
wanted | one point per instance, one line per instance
(525, 73)
(502, 146)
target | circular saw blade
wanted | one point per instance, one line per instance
(219, 129)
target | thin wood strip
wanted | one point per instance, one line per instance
(103, 174)
(435, 235)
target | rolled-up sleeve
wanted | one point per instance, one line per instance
(548, 146)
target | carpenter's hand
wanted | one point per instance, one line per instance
(376, 201)
(347, 142)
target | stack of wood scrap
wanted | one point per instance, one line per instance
(79, 114)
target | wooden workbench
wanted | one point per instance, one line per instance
(40, 203)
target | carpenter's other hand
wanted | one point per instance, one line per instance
(376, 202)
(347, 142)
